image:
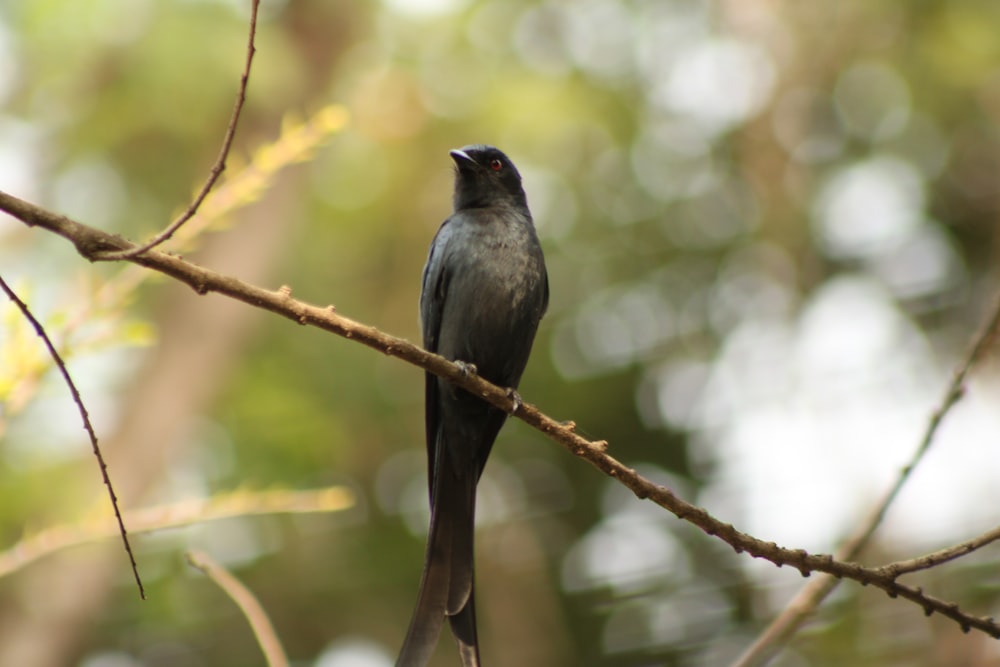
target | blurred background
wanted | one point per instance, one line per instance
(770, 228)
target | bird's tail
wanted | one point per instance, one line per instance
(463, 626)
(446, 582)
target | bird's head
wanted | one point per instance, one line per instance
(484, 176)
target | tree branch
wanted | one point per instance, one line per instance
(90, 241)
(267, 639)
(174, 515)
(220, 161)
(61, 365)
(807, 600)
(936, 558)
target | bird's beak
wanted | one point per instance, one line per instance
(461, 158)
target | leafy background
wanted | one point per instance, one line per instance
(770, 231)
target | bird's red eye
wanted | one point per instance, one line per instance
(496, 165)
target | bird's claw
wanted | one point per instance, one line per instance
(466, 368)
(516, 399)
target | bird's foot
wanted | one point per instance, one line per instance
(515, 398)
(466, 368)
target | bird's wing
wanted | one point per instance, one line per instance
(545, 293)
(434, 286)
(432, 296)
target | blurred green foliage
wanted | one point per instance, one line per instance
(698, 171)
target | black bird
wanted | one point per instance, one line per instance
(484, 291)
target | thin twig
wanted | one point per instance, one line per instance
(220, 162)
(807, 600)
(89, 240)
(40, 330)
(941, 556)
(248, 604)
(297, 141)
(175, 515)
